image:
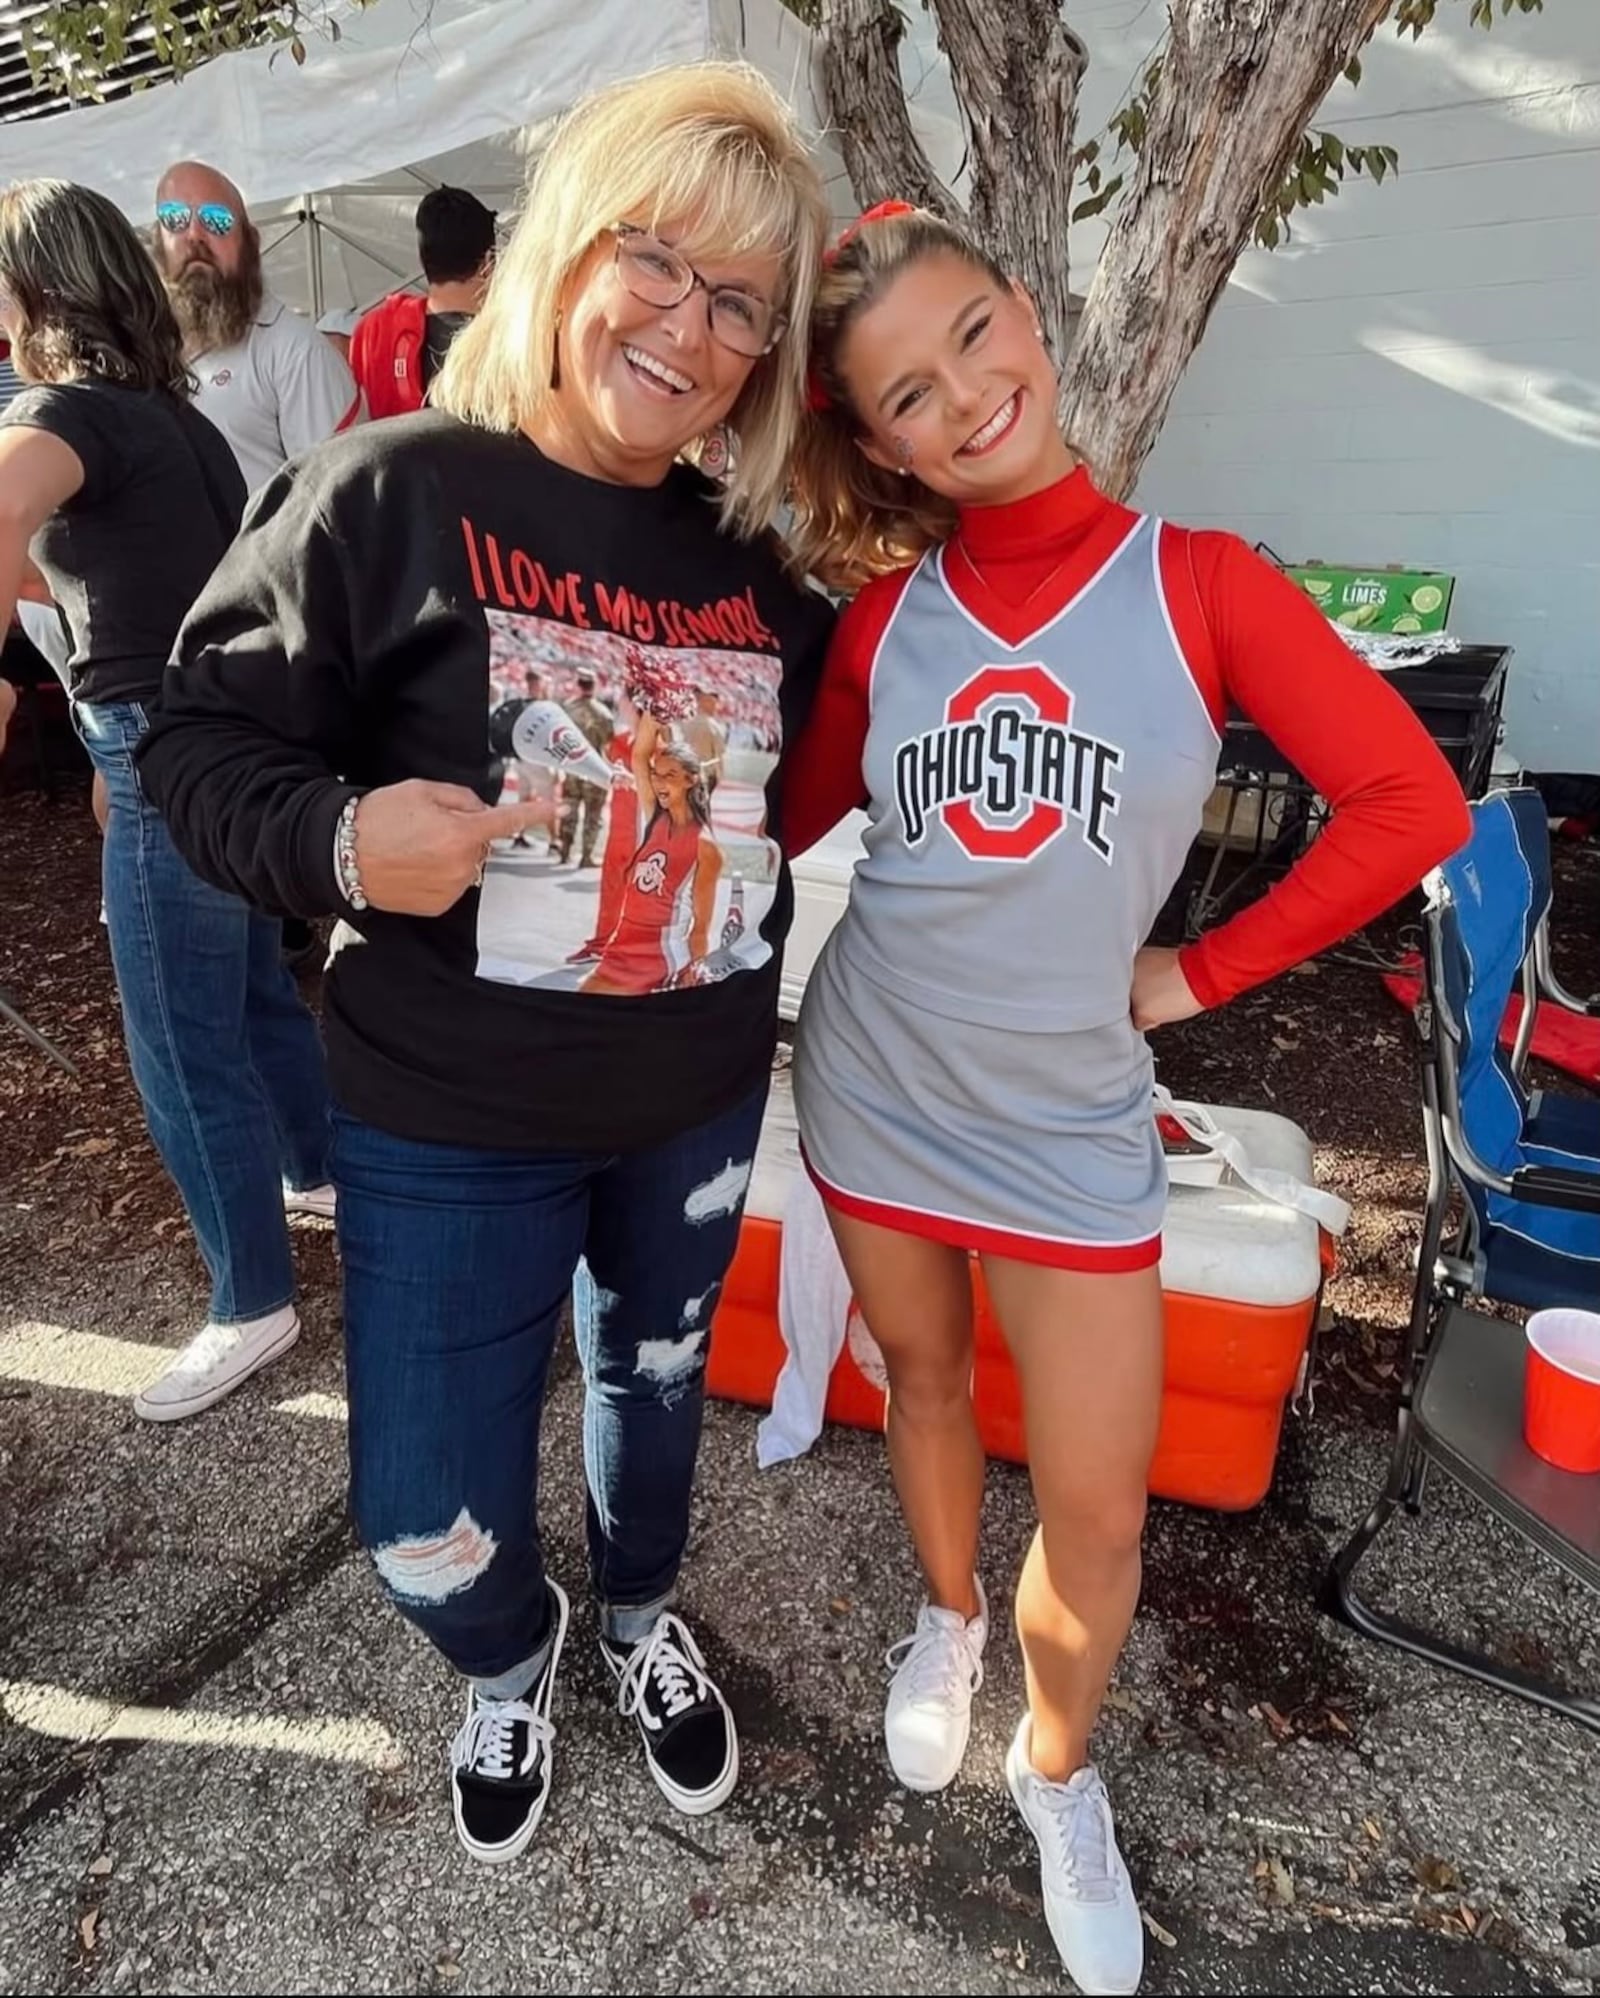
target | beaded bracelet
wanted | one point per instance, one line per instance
(344, 856)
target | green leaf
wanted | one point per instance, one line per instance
(1097, 203)
(1333, 151)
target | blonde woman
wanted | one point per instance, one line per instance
(324, 747)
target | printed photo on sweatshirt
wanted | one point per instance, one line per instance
(653, 870)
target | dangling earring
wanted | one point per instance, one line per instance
(716, 451)
(555, 354)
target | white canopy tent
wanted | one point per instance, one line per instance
(332, 155)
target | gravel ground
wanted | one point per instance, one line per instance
(1301, 1810)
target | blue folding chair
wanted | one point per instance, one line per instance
(1527, 1166)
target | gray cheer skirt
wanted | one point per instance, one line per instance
(1038, 1146)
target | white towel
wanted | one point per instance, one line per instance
(813, 1311)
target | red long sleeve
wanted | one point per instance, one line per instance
(823, 781)
(1397, 808)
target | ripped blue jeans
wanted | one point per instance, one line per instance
(457, 1264)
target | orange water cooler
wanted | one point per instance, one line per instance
(1242, 1279)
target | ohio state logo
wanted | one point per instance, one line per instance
(650, 876)
(1006, 770)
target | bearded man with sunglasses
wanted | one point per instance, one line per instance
(267, 379)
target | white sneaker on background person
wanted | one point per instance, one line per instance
(1088, 1898)
(928, 1716)
(318, 1200)
(214, 1363)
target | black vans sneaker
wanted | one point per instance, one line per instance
(689, 1738)
(500, 1762)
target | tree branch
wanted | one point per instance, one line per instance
(1239, 83)
(1016, 68)
(866, 102)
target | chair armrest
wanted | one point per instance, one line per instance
(1557, 1186)
(1544, 1186)
(1586, 1009)
(1551, 986)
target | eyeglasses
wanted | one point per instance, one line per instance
(744, 321)
(215, 218)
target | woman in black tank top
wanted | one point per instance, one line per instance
(125, 498)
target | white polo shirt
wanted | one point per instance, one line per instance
(277, 392)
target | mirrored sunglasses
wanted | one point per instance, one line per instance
(215, 218)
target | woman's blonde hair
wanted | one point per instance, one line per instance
(712, 144)
(852, 519)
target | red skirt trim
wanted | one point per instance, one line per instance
(1103, 1258)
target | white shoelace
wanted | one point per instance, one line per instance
(940, 1658)
(209, 1345)
(670, 1657)
(1082, 1837)
(486, 1744)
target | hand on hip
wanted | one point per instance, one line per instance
(1161, 994)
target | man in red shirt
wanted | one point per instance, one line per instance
(399, 346)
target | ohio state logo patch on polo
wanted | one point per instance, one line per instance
(1006, 770)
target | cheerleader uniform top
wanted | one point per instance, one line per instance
(1033, 713)
(650, 945)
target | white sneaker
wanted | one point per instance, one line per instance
(213, 1364)
(318, 1200)
(937, 1669)
(1088, 1897)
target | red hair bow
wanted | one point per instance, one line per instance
(817, 396)
(881, 212)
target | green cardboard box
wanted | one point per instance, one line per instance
(1397, 600)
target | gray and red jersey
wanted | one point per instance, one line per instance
(1039, 795)
(1033, 714)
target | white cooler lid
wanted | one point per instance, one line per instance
(1226, 1241)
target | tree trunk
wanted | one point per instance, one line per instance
(1015, 68)
(866, 104)
(1240, 81)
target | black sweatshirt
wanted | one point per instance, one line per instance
(415, 599)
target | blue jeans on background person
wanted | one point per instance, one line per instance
(457, 1264)
(225, 1055)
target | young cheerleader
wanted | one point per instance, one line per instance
(1029, 689)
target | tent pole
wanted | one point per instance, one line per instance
(313, 253)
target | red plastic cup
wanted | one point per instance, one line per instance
(1561, 1396)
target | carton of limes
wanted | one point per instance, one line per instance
(1406, 601)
